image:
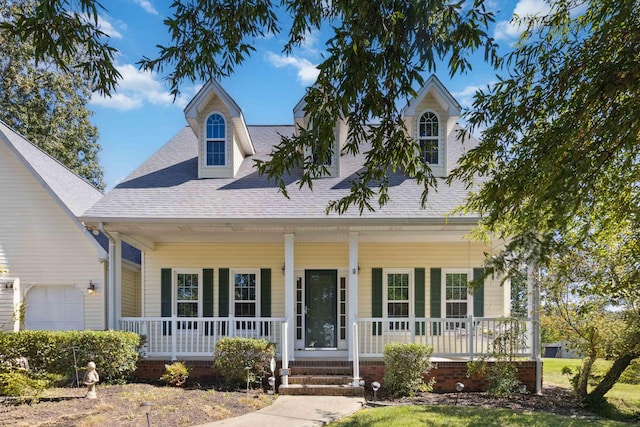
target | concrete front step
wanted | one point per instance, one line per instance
(320, 379)
(320, 370)
(320, 390)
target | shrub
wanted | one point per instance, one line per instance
(501, 376)
(20, 384)
(233, 355)
(176, 374)
(405, 365)
(114, 352)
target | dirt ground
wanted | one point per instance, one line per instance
(119, 405)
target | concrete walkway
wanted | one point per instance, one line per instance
(296, 411)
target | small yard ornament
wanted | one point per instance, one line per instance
(91, 378)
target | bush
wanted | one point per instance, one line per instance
(501, 376)
(114, 352)
(176, 374)
(405, 365)
(233, 355)
(20, 384)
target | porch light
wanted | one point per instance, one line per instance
(283, 268)
(91, 288)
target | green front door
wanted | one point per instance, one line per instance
(321, 293)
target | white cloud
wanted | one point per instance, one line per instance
(465, 96)
(147, 6)
(307, 72)
(139, 87)
(506, 30)
(109, 28)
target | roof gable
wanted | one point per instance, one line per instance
(442, 96)
(202, 99)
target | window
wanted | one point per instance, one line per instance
(245, 297)
(429, 138)
(187, 297)
(397, 293)
(215, 141)
(456, 295)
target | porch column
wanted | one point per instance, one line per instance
(289, 292)
(353, 290)
(533, 292)
(114, 291)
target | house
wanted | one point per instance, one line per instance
(55, 269)
(225, 254)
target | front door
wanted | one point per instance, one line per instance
(321, 293)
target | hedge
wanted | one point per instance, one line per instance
(114, 352)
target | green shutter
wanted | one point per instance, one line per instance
(165, 297)
(265, 292)
(436, 298)
(376, 298)
(478, 293)
(207, 292)
(223, 292)
(419, 298)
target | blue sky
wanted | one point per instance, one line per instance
(141, 116)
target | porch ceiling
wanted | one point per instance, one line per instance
(274, 233)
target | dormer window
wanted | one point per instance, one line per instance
(216, 141)
(429, 137)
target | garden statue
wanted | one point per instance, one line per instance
(90, 379)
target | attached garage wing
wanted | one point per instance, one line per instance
(55, 308)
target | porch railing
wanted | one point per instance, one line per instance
(197, 336)
(468, 337)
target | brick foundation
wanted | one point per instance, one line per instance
(446, 374)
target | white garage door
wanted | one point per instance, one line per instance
(54, 308)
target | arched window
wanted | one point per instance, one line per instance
(429, 138)
(215, 144)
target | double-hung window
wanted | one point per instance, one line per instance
(246, 290)
(456, 297)
(397, 292)
(215, 144)
(188, 296)
(429, 137)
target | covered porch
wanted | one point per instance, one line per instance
(460, 339)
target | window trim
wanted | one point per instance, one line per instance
(206, 140)
(443, 302)
(385, 301)
(232, 290)
(174, 289)
(431, 138)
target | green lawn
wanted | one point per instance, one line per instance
(439, 415)
(624, 397)
(624, 401)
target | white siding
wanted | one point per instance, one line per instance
(39, 243)
(320, 256)
(130, 293)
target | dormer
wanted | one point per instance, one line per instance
(430, 119)
(223, 138)
(301, 121)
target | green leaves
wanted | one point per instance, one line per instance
(63, 29)
(46, 103)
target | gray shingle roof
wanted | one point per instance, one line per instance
(72, 191)
(166, 187)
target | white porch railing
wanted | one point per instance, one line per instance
(197, 336)
(468, 337)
